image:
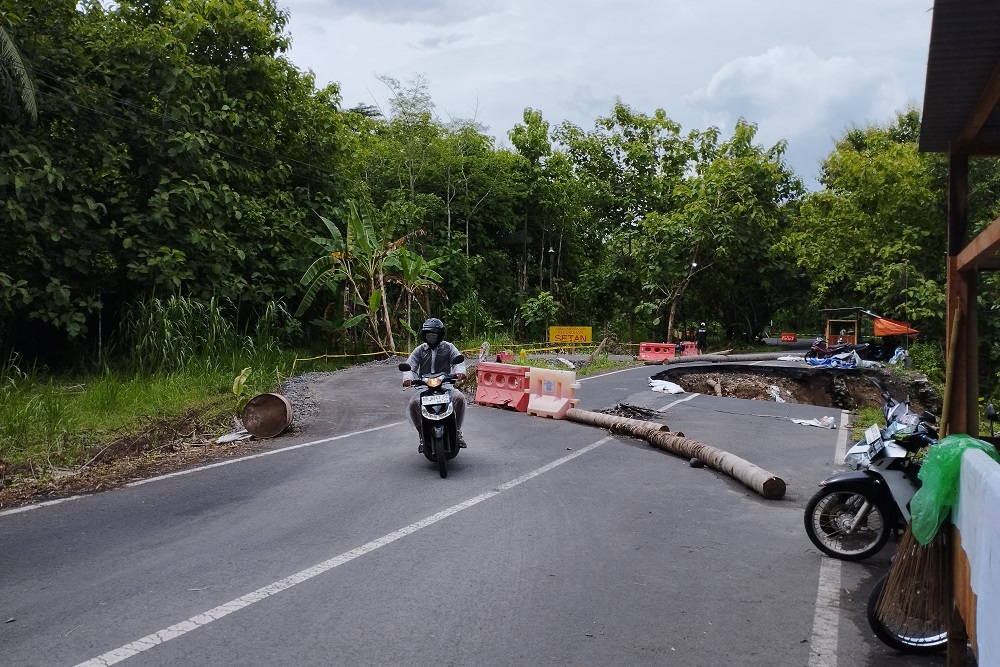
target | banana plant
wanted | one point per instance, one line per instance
(417, 276)
(360, 261)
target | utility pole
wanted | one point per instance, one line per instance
(552, 264)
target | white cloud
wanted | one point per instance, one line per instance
(802, 71)
(431, 12)
(793, 91)
(795, 95)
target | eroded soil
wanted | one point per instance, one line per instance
(847, 389)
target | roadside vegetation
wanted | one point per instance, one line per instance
(182, 204)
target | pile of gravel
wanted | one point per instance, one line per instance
(299, 389)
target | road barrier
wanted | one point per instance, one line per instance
(656, 351)
(551, 393)
(502, 386)
(690, 349)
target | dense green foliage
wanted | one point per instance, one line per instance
(179, 158)
(176, 152)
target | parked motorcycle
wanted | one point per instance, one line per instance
(853, 514)
(438, 428)
(820, 350)
(917, 632)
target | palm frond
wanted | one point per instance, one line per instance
(18, 87)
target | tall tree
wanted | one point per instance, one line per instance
(629, 166)
(178, 152)
(873, 236)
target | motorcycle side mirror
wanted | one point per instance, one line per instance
(404, 367)
(457, 359)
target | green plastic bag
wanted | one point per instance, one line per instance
(939, 473)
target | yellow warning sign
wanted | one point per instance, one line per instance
(570, 334)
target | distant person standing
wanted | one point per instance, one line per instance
(701, 339)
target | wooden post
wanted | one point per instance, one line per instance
(961, 367)
(961, 285)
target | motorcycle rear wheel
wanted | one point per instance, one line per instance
(830, 513)
(906, 635)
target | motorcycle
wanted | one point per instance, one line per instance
(820, 350)
(438, 428)
(918, 632)
(853, 514)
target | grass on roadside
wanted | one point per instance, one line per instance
(866, 417)
(48, 424)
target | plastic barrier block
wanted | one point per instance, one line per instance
(501, 386)
(656, 351)
(690, 349)
(550, 392)
(787, 337)
(505, 356)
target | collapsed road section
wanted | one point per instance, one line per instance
(843, 388)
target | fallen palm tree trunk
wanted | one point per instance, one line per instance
(758, 479)
(757, 356)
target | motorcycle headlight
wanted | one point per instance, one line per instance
(434, 382)
(856, 460)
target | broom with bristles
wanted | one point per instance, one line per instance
(917, 596)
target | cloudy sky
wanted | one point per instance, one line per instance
(802, 70)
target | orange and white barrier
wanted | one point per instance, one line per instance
(690, 349)
(550, 392)
(656, 351)
(501, 386)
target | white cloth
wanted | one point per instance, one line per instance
(975, 518)
(822, 422)
(665, 387)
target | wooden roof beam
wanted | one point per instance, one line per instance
(981, 253)
(987, 102)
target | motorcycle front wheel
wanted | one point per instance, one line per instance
(830, 516)
(906, 634)
(442, 458)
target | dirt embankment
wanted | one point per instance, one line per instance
(847, 389)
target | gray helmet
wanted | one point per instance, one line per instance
(432, 332)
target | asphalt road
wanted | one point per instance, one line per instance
(550, 543)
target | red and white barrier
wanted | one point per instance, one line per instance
(502, 386)
(656, 351)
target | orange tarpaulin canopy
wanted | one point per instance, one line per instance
(886, 327)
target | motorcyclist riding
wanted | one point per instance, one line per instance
(435, 355)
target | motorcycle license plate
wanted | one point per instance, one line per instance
(435, 399)
(874, 439)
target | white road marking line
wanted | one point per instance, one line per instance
(262, 454)
(681, 400)
(826, 621)
(600, 375)
(26, 508)
(842, 437)
(207, 467)
(195, 622)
